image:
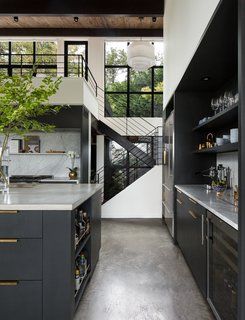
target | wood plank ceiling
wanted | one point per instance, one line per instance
(93, 22)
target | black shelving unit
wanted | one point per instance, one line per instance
(229, 147)
(81, 245)
(221, 119)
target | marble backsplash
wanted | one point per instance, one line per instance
(48, 164)
(230, 160)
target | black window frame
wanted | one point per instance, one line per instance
(11, 66)
(128, 92)
(74, 42)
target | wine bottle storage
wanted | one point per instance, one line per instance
(82, 270)
(87, 242)
(82, 226)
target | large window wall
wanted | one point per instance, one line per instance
(19, 57)
(129, 93)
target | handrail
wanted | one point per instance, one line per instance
(140, 159)
(81, 64)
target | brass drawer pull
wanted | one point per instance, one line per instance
(179, 191)
(8, 240)
(8, 211)
(192, 214)
(8, 283)
(180, 202)
(192, 201)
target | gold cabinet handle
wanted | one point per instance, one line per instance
(180, 202)
(8, 240)
(8, 211)
(164, 157)
(192, 201)
(8, 283)
(192, 214)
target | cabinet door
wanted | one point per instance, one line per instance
(191, 232)
(21, 259)
(182, 223)
(223, 268)
(21, 300)
(197, 245)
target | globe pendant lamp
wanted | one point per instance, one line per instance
(140, 55)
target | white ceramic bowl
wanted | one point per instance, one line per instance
(219, 141)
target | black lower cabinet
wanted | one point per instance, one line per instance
(222, 268)
(210, 248)
(21, 300)
(191, 238)
(38, 268)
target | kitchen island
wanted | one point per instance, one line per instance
(46, 230)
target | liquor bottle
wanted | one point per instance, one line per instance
(77, 280)
(83, 265)
(87, 222)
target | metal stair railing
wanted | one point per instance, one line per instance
(118, 159)
(49, 64)
(119, 176)
(127, 126)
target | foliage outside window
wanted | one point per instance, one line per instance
(130, 93)
(18, 57)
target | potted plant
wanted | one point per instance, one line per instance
(21, 105)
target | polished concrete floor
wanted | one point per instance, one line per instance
(141, 275)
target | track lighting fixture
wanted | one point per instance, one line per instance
(76, 19)
(16, 19)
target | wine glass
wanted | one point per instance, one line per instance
(221, 103)
(214, 105)
(228, 99)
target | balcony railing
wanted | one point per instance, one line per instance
(41, 65)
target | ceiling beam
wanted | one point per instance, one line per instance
(77, 32)
(85, 7)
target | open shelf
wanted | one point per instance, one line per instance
(221, 119)
(229, 147)
(81, 244)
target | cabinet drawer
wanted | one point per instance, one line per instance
(168, 197)
(181, 197)
(20, 224)
(195, 208)
(21, 259)
(21, 300)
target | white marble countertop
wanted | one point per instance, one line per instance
(208, 199)
(47, 196)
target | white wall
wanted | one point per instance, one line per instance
(51, 164)
(100, 151)
(185, 22)
(142, 199)
(74, 91)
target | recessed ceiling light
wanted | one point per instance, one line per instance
(76, 19)
(16, 19)
(205, 78)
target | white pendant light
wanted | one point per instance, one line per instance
(140, 55)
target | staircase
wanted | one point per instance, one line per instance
(130, 162)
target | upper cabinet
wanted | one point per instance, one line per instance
(185, 23)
